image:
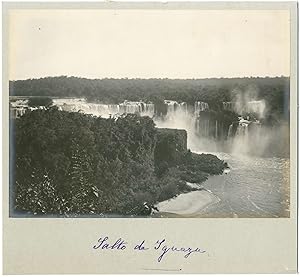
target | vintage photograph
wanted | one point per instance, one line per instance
(142, 113)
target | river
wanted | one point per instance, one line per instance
(254, 187)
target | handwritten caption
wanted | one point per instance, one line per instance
(161, 246)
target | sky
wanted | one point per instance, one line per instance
(148, 43)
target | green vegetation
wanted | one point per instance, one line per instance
(76, 164)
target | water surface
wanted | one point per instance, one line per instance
(254, 187)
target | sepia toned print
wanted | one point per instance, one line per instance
(204, 144)
(149, 138)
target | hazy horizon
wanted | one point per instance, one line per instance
(152, 78)
(146, 44)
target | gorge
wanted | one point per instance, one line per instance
(248, 129)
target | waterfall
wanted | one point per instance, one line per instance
(200, 106)
(242, 130)
(205, 132)
(196, 124)
(229, 106)
(140, 107)
(18, 111)
(174, 108)
(240, 141)
(206, 128)
(18, 107)
(182, 107)
(170, 106)
(257, 107)
(105, 110)
(229, 135)
(203, 128)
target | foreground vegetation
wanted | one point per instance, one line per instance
(75, 164)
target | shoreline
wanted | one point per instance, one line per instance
(191, 203)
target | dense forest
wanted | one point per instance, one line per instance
(68, 163)
(214, 91)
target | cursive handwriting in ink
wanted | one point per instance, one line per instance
(103, 243)
(141, 246)
(160, 245)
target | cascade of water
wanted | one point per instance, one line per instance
(149, 109)
(200, 107)
(196, 124)
(229, 106)
(241, 135)
(174, 108)
(18, 112)
(207, 127)
(182, 107)
(258, 107)
(105, 110)
(170, 106)
(229, 134)
(240, 142)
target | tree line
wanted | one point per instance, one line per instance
(213, 91)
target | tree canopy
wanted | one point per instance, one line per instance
(213, 91)
(73, 164)
(40, 101)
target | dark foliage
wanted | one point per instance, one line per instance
(169, 148)
(72, 164)
(213, 91)
(40, 101)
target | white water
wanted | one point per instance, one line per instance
(253, 187)
(104, 110)
(257, 107)
(200, 107)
